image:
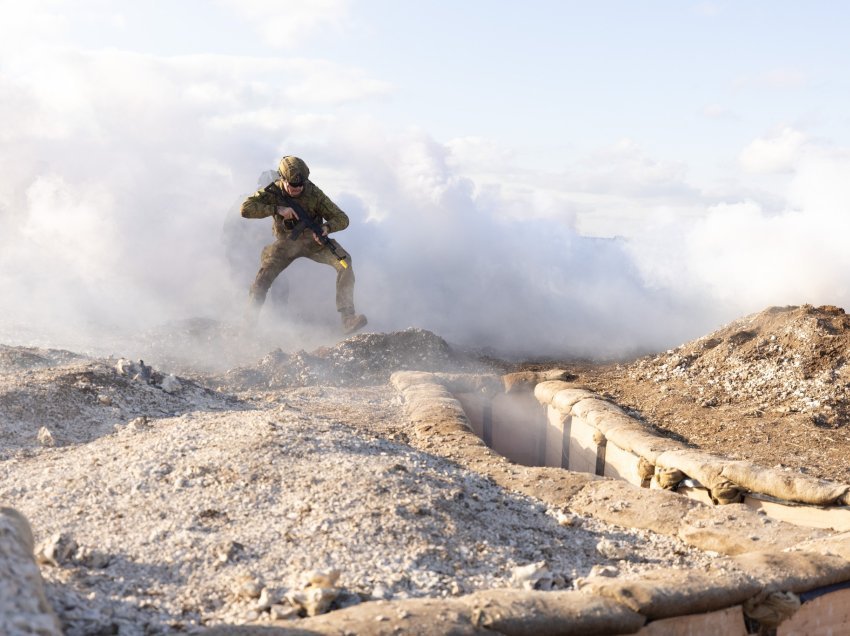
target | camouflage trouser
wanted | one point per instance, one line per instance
(277, 257)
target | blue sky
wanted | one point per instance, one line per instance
(710, 137)
(550, 78)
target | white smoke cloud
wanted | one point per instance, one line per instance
(746, 258)
(119, 171)
(121, 180)
(476, 263)
(774, 154)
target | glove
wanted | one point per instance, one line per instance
(287, 213)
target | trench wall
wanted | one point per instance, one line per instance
(558, 424)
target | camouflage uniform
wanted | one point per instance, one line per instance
(277, 256)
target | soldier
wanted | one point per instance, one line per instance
(270, 201)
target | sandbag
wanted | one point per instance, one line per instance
(837, 544)
(545, 391)
(793, 571)
(485, 384)
(532, 613)
(644, 444)
(771, 608)
(527, 380)
(737, 529)
(784, 485)
(554, 486)
(23, 606)
(669, 478)
(401, 380)
(592, 407)
(565, 399)
(706, 469)
(504, 612)
(426, 617)
(629, 506)
(675, 592)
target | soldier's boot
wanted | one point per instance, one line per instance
(352, 322)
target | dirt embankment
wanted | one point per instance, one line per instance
(771, 387)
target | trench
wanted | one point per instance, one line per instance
(778, 578)
(526, 432)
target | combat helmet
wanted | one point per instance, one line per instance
(293, 170)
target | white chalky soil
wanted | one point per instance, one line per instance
(159, 510)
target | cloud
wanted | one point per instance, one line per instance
(776, 153)
(25, 22)
(626, 169)
(605, 193)
(286, 25)
(481, 154)
(329, 83)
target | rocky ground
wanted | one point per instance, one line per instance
(163, 500)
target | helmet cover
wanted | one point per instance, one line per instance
(293, 170)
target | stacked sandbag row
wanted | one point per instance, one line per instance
(23, 606)
(672, 462)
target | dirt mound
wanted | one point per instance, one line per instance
(783, 360)
(771, 387)
(362, 360)
(76, 399)
(23, 358)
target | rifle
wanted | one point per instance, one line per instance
(306, 222)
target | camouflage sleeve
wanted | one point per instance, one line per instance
(259, 205)
(336, 219)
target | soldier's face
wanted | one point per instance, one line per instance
(292, 190)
